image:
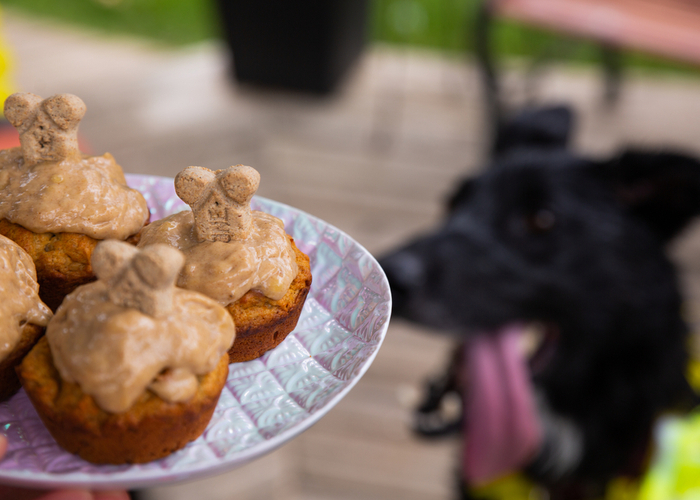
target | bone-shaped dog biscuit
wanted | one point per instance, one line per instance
(139, 279)
(48, 129)
(220, 200)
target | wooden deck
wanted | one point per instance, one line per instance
(375, 160)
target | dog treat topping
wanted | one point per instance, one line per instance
(220, 200)
(19, 290)
(229, 248)
(48, 185)
(142, 280)
(160, 338)
(48, 129)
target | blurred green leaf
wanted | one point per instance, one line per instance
(177, 22)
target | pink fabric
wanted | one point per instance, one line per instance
(502, 431)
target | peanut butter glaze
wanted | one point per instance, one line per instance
(79, 194)
(264, 261)
(115, 353)
(19, 295)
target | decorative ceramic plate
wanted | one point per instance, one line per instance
(267, 401)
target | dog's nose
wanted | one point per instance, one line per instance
(406, 274)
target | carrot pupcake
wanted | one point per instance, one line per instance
(131, 367)
(22, 314)
(241, 258)
(56, 202)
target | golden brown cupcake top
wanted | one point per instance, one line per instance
(48, 185)
(19, 295)
(133, 330)
(229, 248)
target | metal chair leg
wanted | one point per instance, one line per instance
(486, 64)
(611, 58)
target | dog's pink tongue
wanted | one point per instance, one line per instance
(501, 429)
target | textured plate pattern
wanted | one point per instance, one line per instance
(265, 402)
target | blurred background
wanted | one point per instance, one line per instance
(366, 119)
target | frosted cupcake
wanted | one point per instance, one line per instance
(56, 202)
(240, 257)
(23, 315)
(131, 367)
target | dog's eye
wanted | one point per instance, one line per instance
(540, 221)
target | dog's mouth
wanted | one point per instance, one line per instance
(502, 428)
(538, 344)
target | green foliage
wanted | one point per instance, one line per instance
(175, 22)
(439, 24)
(449, 25)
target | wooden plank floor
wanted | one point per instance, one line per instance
(375, 160)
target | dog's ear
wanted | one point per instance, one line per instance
(662, 188)
(547, 127)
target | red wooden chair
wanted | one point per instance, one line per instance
(666, 28)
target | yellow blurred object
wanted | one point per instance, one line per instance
(511, 487)
(7, 64)
(519, 487)
(675, 472)
(693, 374)
(622, 488)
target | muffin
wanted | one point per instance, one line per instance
(241, 258)
(22, 314)
(56, 202)
(131, 367)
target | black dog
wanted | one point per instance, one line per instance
(574, 246)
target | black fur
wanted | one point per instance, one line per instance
(548, 236)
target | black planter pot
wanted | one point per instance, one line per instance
(305, 45)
